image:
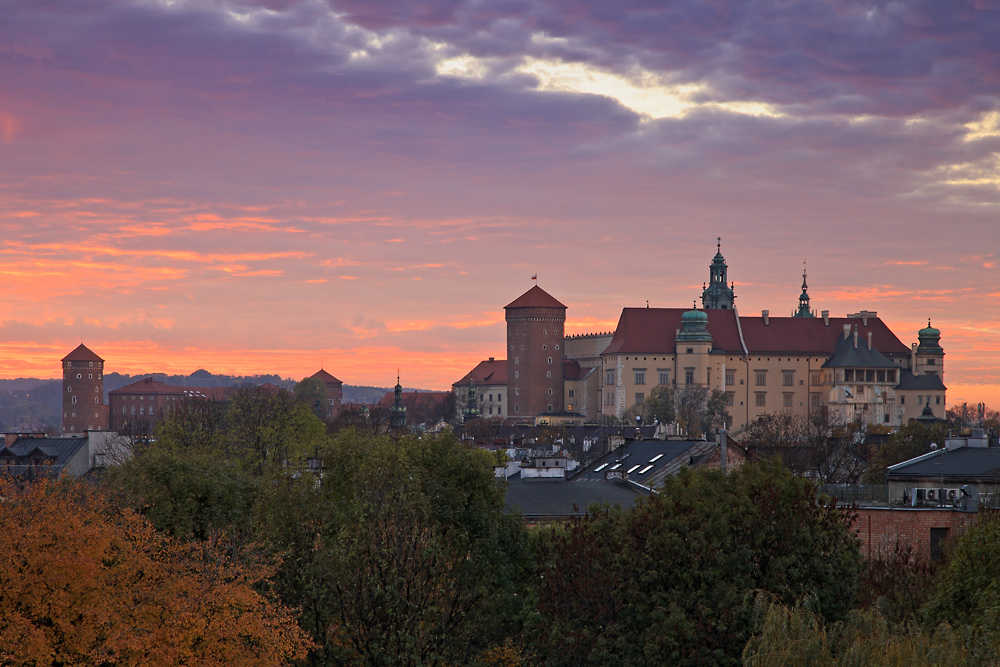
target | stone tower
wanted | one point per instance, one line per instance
(717, 294)
(83, 391)
(535, 354)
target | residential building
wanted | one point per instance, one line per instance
(139, 406)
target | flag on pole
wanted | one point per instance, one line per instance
(534, 277)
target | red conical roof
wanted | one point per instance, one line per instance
(82, 353)
(536, 297)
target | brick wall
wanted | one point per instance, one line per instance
(879, 528)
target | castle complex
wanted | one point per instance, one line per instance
(850, 368)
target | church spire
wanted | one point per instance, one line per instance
(717, 295)
(803, 310)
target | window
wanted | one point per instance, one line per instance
(548, 374)
(491, 409)
(730, 398)
(690, 350)
(730, 378)
(550, 392)
(142, 410)
(517, 360)
(848, 375)
(786, 400)
(517, 391)
(516, 375)
(548, 408)
(937, 400)
(74, 399)
(78, 376)
(557, 347)
(517, 408)
(931, 362)
(902, 399)
(760, 378)
(664, 377)
(640, 377)
(499, 397)
(69, 388)
(572, 393)
(788, 378)
(90, 376)
(609, 397)
(550, 360)
(760, 399)
(545, 347)
(640, 398)
(814, 379)
(688, 376)
(813, 400)
(609, 377)
(920, 399)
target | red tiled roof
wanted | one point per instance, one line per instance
(571, 370)
(804, 335)
(324, 377)
(536, 297)
(654, 331)
(146, 386)
(82, 353)
(488, 372)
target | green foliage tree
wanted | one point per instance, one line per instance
(265, 425)
(659, 405)
(400, 554)
(668, 581)
(314, 394)
(967, 594)
(905, 443)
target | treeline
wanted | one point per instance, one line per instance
(247, 533)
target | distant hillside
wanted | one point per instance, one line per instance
(33, 404)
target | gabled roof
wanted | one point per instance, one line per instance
(82, 353)
(805, 335)
(487, 373)
(557, 499)
(536, 297)
(324, 377)
(854, 353)
(654, 331)
(60, 449)
(908, 380)
(956, 465)
(146, 386)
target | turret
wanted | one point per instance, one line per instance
(929, 355)
(717, 295)
(804, 310)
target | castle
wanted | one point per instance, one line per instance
(850, 368)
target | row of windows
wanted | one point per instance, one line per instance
(869, 375)
(517, 360)
(90, 376)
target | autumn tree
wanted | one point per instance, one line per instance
(84, 583)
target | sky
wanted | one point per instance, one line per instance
(275, 186)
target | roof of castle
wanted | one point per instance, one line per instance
(324, 377)
(488, 372)
(153, 387)
(653, 331)
(536, 297)
(82, 353)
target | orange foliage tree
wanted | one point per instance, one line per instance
(84, 584)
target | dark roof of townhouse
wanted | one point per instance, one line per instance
(647, 462)
(541, 499)
(853, 352)
(324, 377)
(654, 331)
(955, 465)
(536, 297)
(908, 380)
(60, 450)
(82, 353)
(488, 372)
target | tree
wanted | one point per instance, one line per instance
(659, 405)
(668, 582)
(905, 443)
(401, 554)
(86, 584)
(701, 411)
(314, 393)
(266, 426)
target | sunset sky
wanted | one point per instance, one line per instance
(272, 186)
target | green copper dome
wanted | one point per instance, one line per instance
(929, 340)
(694, 326)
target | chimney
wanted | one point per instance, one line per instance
(847, 331)
(766, 314)
(826, 318)
(869, 340)
(491, 358)
(913, 358)
(864, 317)
(855, 337)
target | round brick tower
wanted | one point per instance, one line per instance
(83, 391)
(535, 354)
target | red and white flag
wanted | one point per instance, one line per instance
(534, 277)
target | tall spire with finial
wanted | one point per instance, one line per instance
(718, 294)
(804, 310)
(397, 413)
